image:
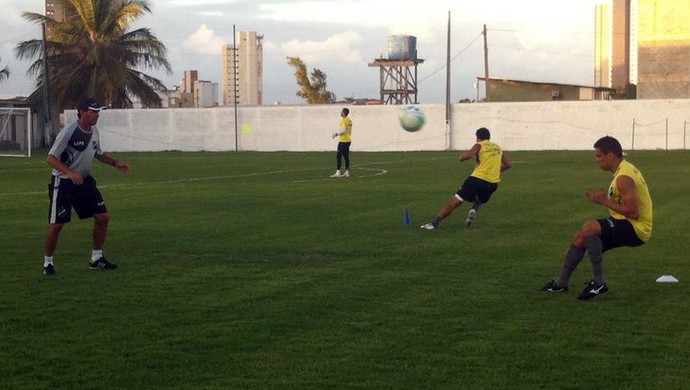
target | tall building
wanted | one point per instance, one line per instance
(620, 44)
(205, 94)
(663, 44)
(649, 44)
(55, 9)
(186, 91)
(243, 70)
(602, 46)
(190, 77)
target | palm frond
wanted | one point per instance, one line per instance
(92, 53)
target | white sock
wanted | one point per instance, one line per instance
(48, 261)
(96, 254)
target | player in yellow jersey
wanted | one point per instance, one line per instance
(345, 134)
(478, 187)
(629, 222)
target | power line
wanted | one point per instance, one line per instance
(542, 51)
(452, 59)
(539, 31)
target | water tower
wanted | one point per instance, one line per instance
(398, 72)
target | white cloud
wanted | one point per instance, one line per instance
(400, 17)
(203, 41)
(197, 3)
(340, 47)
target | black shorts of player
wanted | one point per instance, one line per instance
(616, 233)
(474, 189)
(64, 195)
(344, 147)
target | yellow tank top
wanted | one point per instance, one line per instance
(643, 223)
(346, 123)
(488, 165)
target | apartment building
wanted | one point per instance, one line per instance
(243, 70)
(645, 43)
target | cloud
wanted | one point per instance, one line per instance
(203, 41)
(197, 3)
(340, 47)
(401, 16)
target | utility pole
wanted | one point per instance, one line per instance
(448, 86)
(234, 80)
(47, 119)
(486, 66)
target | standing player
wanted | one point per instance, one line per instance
(629, 222)
(345, 134)
(72, 185)
(483, 181)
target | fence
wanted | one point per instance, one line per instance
(638, 124)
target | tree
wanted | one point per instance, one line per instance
(92, 53)
(4, 73)
(312, 87)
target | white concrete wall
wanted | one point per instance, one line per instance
(515, 126)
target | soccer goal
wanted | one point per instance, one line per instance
(15, 131)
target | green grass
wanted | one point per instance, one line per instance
(254, 270)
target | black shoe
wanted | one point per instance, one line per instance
(593, 289)
(49, 270)
(102, 263)
(471, 217)
(551, 287)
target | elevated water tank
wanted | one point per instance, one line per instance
(402, 47)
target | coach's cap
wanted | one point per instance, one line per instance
(89, 103)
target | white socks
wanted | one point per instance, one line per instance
(96, 254)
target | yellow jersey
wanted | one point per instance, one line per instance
(643, 223)
(488, 166)
(346, 125)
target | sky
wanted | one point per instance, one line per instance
(531, 40)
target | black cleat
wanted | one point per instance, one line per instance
(49, 270)
(471, 217)
(551, 287)
(592, 290)
(102, 263)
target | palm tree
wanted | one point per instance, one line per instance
(4, 72)
(92, 53)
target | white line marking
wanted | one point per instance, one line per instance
(378, 172)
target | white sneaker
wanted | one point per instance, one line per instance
(428, 226)
(336, 174)
(471, 217)
(346, 173)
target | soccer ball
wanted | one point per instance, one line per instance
(411, 118)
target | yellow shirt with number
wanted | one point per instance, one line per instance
(346, 124)
(643, 223)
(488, 165)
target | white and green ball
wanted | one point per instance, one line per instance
(411, 118)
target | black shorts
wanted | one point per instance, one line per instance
(64, 195)
(474, 189)
(344, 147)
(616, 233)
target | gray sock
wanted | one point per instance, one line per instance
(594, 248)
(436, 221)
(572, 258)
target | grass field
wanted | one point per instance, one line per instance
(255, 270)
